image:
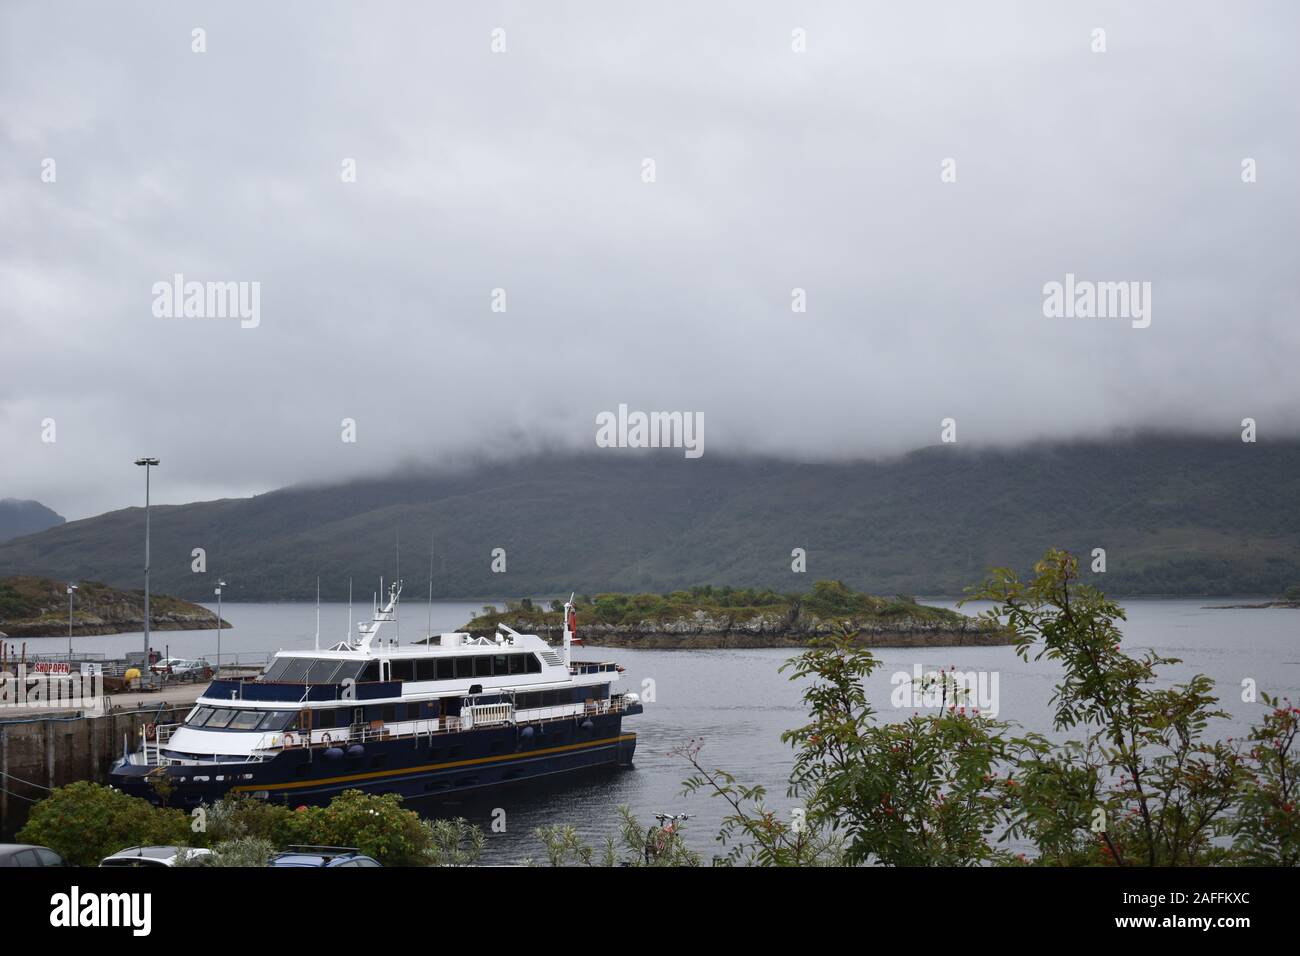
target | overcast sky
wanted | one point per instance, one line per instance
(523, 170)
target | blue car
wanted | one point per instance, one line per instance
(322, 856)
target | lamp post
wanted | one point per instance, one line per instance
(71, 588)
(147, 463)
(220, 584)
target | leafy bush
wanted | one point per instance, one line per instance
(454, 842)
(662, 846)
(86, 822)
(375, 824)
(246, 851)
(239, 817)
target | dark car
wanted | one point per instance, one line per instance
(24, 854)
(322, 856)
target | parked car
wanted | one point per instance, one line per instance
(182, 667)
(322, 856)
(151, 855)
(24, 854)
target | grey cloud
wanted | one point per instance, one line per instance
(521, 170)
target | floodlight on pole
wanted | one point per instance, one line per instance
(71, 587)
(146, 463)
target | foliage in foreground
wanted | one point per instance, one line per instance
(86, 822)
(1138, 782)
(636, 845)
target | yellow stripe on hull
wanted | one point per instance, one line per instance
(379, 774)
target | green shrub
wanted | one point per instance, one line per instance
(246, 851)
(375, 824)
(454, 842)
(86, 822)
(243, 817)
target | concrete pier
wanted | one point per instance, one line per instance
(41, 751)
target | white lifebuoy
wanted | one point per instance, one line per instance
(288, 740)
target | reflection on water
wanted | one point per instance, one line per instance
(738, 702)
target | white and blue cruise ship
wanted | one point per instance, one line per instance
(451, 714)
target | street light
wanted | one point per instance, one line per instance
(220, 584)
(146, 463)
(71, 588)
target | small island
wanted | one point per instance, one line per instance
(1290, 599)
(38, 607)
(723, 617)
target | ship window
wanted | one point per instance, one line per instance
(220, 718)
(518, 664)
(297, 670)
(464, 667)
(277, 720)
(500, 665)
(246, 720)
(401, 670)
(317, 670)
(199, 716)
(388, 713)
(426, 669)
(370, 672)
(329, 671)
(324, 718)
(483, 666)
(349, 669)
(534, 665)
(276, 671)
(446, 668)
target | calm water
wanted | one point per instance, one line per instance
(738, 703)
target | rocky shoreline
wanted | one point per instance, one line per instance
(1294, 605)
(95, 628)
(38, 607)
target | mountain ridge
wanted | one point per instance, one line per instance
(1176, 515)
(19, 517)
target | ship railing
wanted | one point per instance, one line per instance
(358, 734)
(592, 667)
(491, 714)
(616, 704)
(476, 715)
(158, 736)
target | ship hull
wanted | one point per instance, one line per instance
(415, 768)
